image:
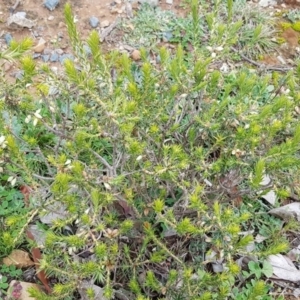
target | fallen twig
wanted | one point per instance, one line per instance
(13, 8)
(262, 66)
(105, 33)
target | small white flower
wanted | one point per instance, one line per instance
(238, 152)
(68, 162)
(139, 158)
(12, 180)
(107, 186)
(28, 119)
(35, 121)
(213, 55)
(220, 48)
(3, 142)
(37, 114)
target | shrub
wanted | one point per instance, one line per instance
(145, 175)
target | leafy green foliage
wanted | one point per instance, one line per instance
(258, 270)
(149, 174)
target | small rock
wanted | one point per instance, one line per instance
(50, 18)
(8, 38)
(58, 51)
(98, 291)
(65, 56)
(158, 59)
(266, 3)
(40, 46)
(64, 45)
(20, 19)
(136, 54)
(61, 25)
(51, 4)
(7, 66)
(19, 289)
(54, 70)
(19, 259)
(45, 58)
(35, 34)
(114, 10)
(281, 59)
(47, 51)
(94, 22)
(152, 3)
(21, 14)
(169, 2)
(19, 74)
(38, 234)
(87, 50)
(36, 55)
(54, 57)
(167, 35)
(128, 9)
(104, 24)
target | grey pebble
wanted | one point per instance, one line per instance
(152, 3)
(59, 51)
(87, 50)
(35, 34)
(21, 14)
(8, 38)
(51, 4)
(36, 55)
(158, 59)
(45, 57)
(167, 35)
(19, 74)
(94, 22)
(54, 57)
(47, 51)
(63, 57)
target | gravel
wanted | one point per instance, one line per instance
(94, 22)
(45, 57)
(8, 38)
(63, 57)
(54, 57)
(51, 4)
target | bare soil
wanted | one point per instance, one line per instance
(51, 27)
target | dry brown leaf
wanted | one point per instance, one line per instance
(287, 212)
(37, 256)
(284, 268)
(18, 258)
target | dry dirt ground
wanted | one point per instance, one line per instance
(50, 25)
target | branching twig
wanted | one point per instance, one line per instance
(103, 161)
(13, 8)
(262, 66)
(104, 34)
